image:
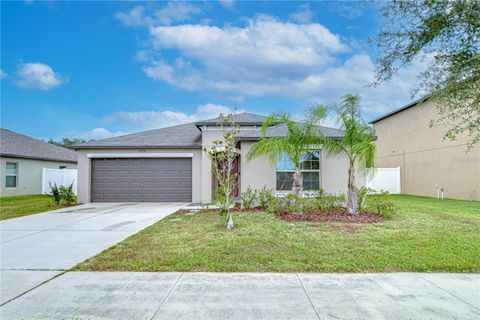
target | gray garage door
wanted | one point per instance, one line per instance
(149, 179)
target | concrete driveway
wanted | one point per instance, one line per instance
(58, 240)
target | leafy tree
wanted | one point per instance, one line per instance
(66, 142)
(357, 144)
(447, 35)
(299, 137)
(222, 154)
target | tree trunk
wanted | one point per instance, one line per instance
(297, 182)
(229, 220)
(351, 194)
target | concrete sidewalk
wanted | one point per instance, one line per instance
(132, 295)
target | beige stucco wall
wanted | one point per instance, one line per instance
(84, 169)
(259, 172)
(334, 174)
(426, 161)
(256, 173)
(29, 179)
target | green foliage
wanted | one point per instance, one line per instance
(66, 142)
(265, 197)
(55, 193)
(445, 36)
(66, 194)
(357, 143)
(300, 136)
(362, 197)
(381, 204)
(323, 202)
(222, 154)
(62, 195)
(330, 202)
(248, 198)
(289, 203)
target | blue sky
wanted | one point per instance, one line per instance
(95, 70)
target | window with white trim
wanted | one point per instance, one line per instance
(11, 175)
(309, 166)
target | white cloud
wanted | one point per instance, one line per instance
(159, 119)
(227, 3)
(3, 74)
(248, 60)
(171, 12)
(269, 57)
(38, 76)
(303, 14)
(133, 18)
(176, 11)
(94, 134)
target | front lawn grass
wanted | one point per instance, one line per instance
(426, 235)
(18, 206)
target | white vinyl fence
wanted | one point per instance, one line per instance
(386, 179)
(62, 177)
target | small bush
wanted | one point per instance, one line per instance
(66, 194)
(361, 198)
(54, 193)
(219, 200)
(265, 197)
(381, 204)
(290, 203)
(329, 202)
(248, 198)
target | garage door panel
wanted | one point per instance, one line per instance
(150, 179)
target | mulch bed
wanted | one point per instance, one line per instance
(339, 215)
(335, 216)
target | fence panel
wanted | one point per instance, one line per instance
(387, 179)
(62, 177)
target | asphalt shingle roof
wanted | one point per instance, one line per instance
(180, 136)
(16, 145)
(188, 136)
(244, 118)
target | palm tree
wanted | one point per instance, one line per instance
(299, 137)
(356, 144)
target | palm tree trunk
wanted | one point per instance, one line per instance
(351, 195)
(297, 182)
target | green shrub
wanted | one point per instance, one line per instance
(248, 198)
(265, 197)
(310, 204)
(66, 194)
(381, 204)
(54, 193)
(361, 198)
(330, 202)
(290, 203)
(220, 201)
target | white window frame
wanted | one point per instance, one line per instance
(319, 170)
(11, 175)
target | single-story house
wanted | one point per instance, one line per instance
(168, 164)
(428, 163)
(22, 159)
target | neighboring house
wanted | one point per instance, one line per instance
(22, 160)
(427, 162)
(168, 164)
